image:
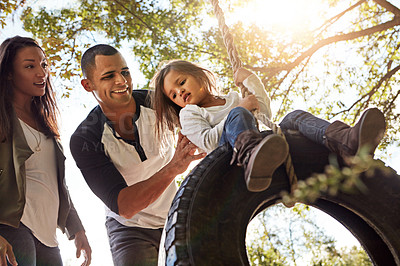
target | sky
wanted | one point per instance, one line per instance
(90, 208)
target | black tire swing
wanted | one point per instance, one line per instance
(209, 215)
(208, 218)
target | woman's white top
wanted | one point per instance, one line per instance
(42, 201)
(204, 126)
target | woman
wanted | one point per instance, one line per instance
(34, 199)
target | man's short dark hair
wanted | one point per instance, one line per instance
(88, 62)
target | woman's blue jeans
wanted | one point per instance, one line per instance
(239, 119)
(307, 124)
(28, 250)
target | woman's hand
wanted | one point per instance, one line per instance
(6, 253)
(82, 243)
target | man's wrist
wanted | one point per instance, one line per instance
(170, 170)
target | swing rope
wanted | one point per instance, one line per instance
(236, 64)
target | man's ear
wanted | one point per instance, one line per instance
(86, 84)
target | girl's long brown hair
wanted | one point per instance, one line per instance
(167, 112)
(44, 108)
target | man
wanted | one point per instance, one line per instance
(123, 161)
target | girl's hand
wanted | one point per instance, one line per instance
(6, 253)
(241, 74)
(250, 102)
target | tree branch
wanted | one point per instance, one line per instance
(279, 113)
(391, 104)
(388, 6)
(134, 15)
(332, 20)
(386, 77)
(330, 40)
(342, 37)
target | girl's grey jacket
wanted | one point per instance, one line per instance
(13, 154)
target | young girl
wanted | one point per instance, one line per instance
(185, 96)
(34, 199)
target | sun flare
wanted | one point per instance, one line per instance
(282, 15)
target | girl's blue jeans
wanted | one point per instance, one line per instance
(240, 119)
(307, 124)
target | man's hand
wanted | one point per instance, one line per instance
(140, 195)
(82, 243)
(185, 154)
(6, 253)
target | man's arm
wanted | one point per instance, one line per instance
(108, 184)
(135, 198)
(99, 172)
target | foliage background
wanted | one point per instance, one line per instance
(345, 63)
(353, 54)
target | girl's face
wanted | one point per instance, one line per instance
(185, 89)
(29, 73)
